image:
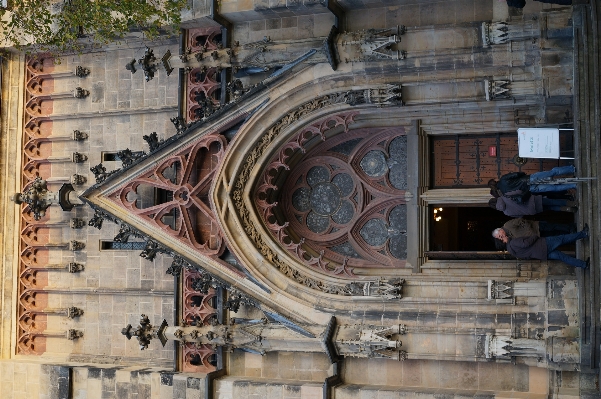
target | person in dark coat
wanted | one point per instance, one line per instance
(533, 205)
(543, 248)
(518, 185)
(519, 227)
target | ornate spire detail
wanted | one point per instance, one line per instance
(77, 223)
(37, 197)
(497, 89)
(80, 93)
(81, 72)
(100, 173)
(79, 135)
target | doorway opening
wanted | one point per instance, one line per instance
(457, 230)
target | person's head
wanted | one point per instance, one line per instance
(492, 203)
(494, 192)
(492, 183)
(500, 235)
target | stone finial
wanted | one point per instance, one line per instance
(128, 157)
(100, 172)
(79, 135)
(96, 220)
(495, 33)
(37, 197)
(179, 123)
(203, 284)
(78, 179)
(74, 312)
(80, 93)
(81, 72)
(77, 223)
(144, 333)
(497, 89)
(74, 334)
(153, 141)
(387, 289)
(78, 157)
(73, 267)
(151, 250)
(386, 95)
(76, 245)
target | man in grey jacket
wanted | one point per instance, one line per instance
(519, 227)
(543, 248)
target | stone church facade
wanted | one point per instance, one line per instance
(289, 201)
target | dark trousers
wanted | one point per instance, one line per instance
(555, 229)
(555, 242)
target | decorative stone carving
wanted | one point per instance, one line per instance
(125, 232)
(177, 266)
(128, 157)
(37, 197)
(74, 334)
(143, 333)
(188, 189)
(236, 89)
(370, 45)
(387, 289)
(100, 173)
(179, 123)
(359, 339)
(80, 93)
(77, 223)
(236, 299)
(81, 72)
(79, 135)
(153, 141)
(73, 267)
(501, 292)
(78, 180)
(203, 284)
(151, 250)
(388, 95)
(78, 157)
(497, 89)
(323, 189)
(74, 312)
(148, 64)
(96, 220)
(241, 181)
(75, 245)
(267, 335)
(506, 347)
(495, 33)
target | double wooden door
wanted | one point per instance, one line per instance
(472, 160)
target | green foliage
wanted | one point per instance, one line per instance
(60, 26)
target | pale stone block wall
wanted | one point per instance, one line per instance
(116, 286)
(20, 379)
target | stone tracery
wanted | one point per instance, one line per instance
(342, 204)
(185, 177)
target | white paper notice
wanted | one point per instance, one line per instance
(538, 143)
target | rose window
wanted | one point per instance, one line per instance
(343, 201)
(326, 201)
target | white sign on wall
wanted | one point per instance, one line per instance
(538, 143)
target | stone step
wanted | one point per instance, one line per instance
(587, 111)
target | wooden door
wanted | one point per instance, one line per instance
(471, 161)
